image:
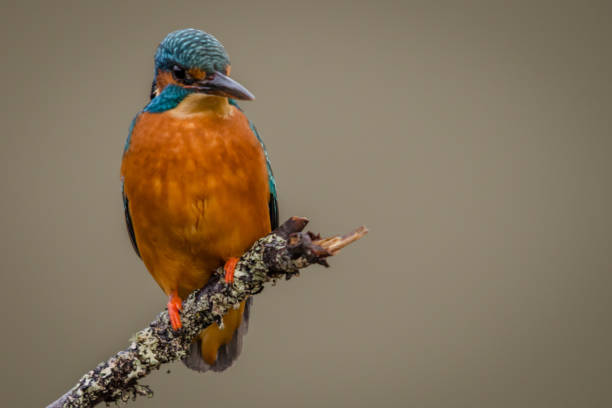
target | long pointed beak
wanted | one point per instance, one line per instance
(222, 85)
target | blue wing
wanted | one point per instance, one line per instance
(273, 200)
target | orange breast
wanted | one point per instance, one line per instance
(198, 191)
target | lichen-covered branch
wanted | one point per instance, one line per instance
(280, 254)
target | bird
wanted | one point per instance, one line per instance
(197, 184)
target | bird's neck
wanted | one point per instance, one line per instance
(183, 102)
(198, 104)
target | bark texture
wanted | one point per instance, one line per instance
(280, 254)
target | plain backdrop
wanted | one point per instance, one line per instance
(473, 139)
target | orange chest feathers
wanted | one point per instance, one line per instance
(197, 189)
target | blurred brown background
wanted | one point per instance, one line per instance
(473, 139)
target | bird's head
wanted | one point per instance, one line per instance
(195, 61)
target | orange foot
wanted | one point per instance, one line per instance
(229, 267)
(175, 305)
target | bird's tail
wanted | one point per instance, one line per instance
(216, 349)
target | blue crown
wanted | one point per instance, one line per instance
(191, 48)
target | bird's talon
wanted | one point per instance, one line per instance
(230, 266)
(175, 305)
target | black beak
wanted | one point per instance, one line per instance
(222, 85)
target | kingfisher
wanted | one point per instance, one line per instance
(197, 184)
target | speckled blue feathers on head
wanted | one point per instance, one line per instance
(191, 48)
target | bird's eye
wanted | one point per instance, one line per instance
(178, 72)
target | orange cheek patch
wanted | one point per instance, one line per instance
(163, 80)
(197, 73)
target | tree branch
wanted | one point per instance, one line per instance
(280, 254)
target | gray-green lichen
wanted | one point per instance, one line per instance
(279, 254)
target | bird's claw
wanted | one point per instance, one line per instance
(175, 305)
(230, 266)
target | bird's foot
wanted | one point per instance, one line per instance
(229, 267)
(175, 305)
